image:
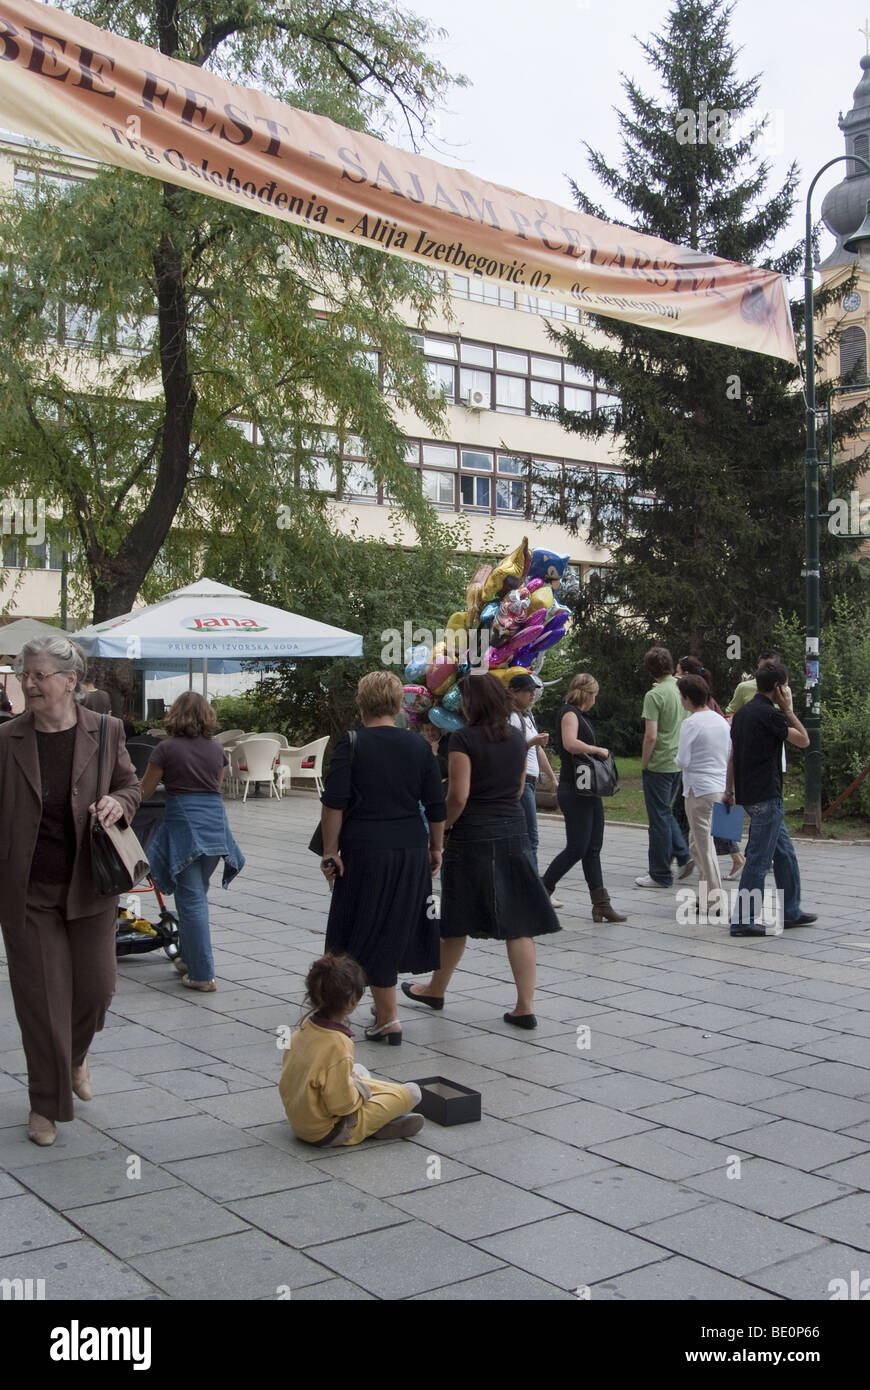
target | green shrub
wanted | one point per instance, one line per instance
(845, 689)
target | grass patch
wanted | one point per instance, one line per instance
(628, 804)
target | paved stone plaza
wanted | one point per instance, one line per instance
(612, 1166)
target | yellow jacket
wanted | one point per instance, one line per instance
(316, 1086)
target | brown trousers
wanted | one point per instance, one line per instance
(62, 974)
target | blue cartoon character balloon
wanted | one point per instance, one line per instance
(548, 565)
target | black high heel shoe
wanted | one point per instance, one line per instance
(432, 1000)
(391, 1032)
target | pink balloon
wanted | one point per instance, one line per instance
(502, 656)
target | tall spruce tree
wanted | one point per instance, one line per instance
(709, 537)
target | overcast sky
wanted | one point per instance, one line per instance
(545, 76)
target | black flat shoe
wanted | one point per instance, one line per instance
(747, 931)
(805, 919)
(521, 1020)
(430, 999)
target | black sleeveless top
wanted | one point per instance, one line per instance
(585, 733)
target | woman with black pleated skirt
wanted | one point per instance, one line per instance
(382, 911)
(490, 888)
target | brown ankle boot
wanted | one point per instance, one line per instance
(602, 908)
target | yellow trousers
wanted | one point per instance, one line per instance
(389, 1101)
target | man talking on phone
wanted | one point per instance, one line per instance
(759, 730)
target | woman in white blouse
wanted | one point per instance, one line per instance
(702, 756)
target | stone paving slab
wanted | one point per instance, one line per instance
(773, 1189)
(248, 1266)
(624, 1197)
(405, 1260)
(306, 1216)
(510, 1285)
(83, 1271)
(729, 1238)
(94, 1178)
(605, 1166)
(810, 1275)
(477, 1206)
(26, 1224)
(155, 1221)
(572, 1250)
(660, 1281)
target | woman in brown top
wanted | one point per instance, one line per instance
(58, 929)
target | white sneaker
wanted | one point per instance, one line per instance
(555, 901)
(646, 882)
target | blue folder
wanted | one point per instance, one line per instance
(727, 823)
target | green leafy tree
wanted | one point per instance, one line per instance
(708, 532)
(139, 320)
(370, 587)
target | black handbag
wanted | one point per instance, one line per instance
(315, 844)
(118, 861)
(594, 776)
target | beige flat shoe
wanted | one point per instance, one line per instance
(40, 1130)
(180, 966)
(204, 986)
(81, 1082)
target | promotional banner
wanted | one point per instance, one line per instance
(84, 90)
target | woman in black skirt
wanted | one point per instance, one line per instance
(382, 911)
(489, 886)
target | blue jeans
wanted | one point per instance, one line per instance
(530, 811)
(191, 902)
(666, 839)
(768, 840)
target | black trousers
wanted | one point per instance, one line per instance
(584, 826)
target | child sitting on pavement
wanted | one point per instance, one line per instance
(329, 1101)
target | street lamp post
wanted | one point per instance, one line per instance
(859, 241)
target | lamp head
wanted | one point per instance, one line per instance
(858, 244)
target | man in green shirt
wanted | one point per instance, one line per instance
(748, 689)
(663, 714)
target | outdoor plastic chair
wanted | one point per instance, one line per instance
(305, 762)
(253, 760)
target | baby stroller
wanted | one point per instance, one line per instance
(135, 935)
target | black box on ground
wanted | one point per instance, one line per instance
(446, 1102)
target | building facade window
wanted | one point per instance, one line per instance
(487, 377)
(17, 554)
(853, 355)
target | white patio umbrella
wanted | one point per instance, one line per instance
(14, 635)
(210, 622)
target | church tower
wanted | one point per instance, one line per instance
(843, 212)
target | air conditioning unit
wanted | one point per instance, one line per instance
(478, 400)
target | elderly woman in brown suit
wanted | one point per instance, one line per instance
(59, 931)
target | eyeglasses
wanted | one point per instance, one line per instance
(40, 676)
